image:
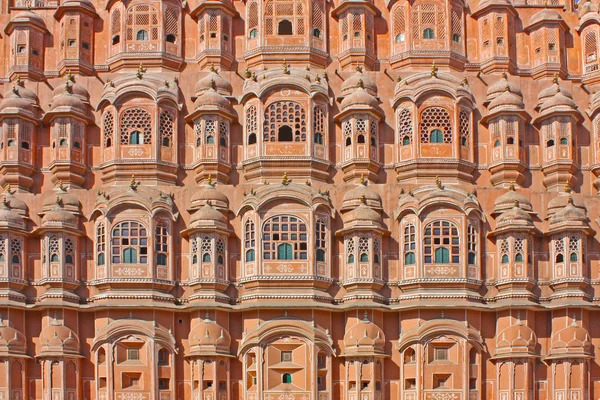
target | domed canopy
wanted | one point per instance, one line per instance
(359, 99)
(10, 219)
(221, 85)
(67, 201)
(208, 338)
(545, 16)
(208, 213)
(572, 341)
(12, 342)
(85, 6)
(354, 197)
(60, 218)
(560, 202)
(518, 339)
(508, 199)
(558, 102)
(209, 194)
(364, 339)
(507, 100)
(499, 87)
(73, 88)
(58, 340)
(14, 103)
(551, 90)
(14, 203)
(569, 218)
(26, 18)
(514, 218)
(359, 78)
(362, 214)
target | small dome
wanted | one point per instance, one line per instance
(67, 201)
(76, 3)
(211, 98)
(572, 339)
(499, 87)
(28, 16)
(73, 88)
(560, 202)
(515, 217)
(58, 339)
(15, 102)
(354, 197)
(507, 100)
(364, 337)
(59, 217)
(15, 203)
(21, 91)
(209, 194)
(518, 338)
(507, 201)
(221, 85)
(357, 79)
(558, 100)
(360, 97)
(362, 213)
(68, 101)
(208, 337)
(208, 214)
(551, 90)
(12, 342)
(570, 215)
(10, 218)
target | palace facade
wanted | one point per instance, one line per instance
(299, 200)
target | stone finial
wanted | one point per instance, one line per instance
(140, 71)
(284, 180)
(58, 201)
(570, 199)
(307, 77)
(210, 180)
(308, 182)
(359, 69)
(516, 204)
(567, 187)
(254, 78)
(512, 187)
(325, 76)
(558, 89)
(19, 81)
(360, 84)
(212, 84)
(465, 81)
(247, 73)
(5, 202)
(362, 179)
(286, 67)
(363, 199)
(15, 90)
(433, 70)
(504, 75)
(212, 67)
(555, 79)
(8, 189)
(365, 316)
(60, 185)
(438, 182)
(507, 89)
(133, 184)
(70, 76)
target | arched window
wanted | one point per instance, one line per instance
(171, 38)
(519, 257)
(410, 244)
(281, 114)
(25, 145)
(62, 143)
(317, 33)
(195, 259)
(428, 33)
(54, 258)
(135, 126)
(441, 243)
(108, 127)
(285, 27)
(550, 143)
(456, 38)
(69, 259)
(399, 38)
(15, 259)
(116, 39)
(222, 142)
(320, 239)
(560, 258)
(206, 258)
(100, 244)
(252, 138)
(163, 357)
(497, 143)
(410, 356)
(250, 255)
(161, 259)
(564, 141)
(210, 139)
(253, 33)
(360, 139)
(318, 138)
(405, 141)
(285, 238)
(166, 128)
(287, 378)
(141, 35)
(504, 258)
(129, 243)
(249, 240)
(574, 257)
(348, 141)
(364, 257)
(351, 259)
(134, 137)
(435, 125)
(409, 258)
(471, 245)
(76, 145)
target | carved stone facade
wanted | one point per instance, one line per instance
(299, 200)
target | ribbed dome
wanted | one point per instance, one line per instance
(507, 201)
(362, 213)
(558, 100)
(545, 15)
(68, 100)
(507, 100)
(551, 90)
(221, 85)
(208, 213)
(354, 197)
(76, 3)
(518, 338)
(10, 218)
(560, 202)
(58, 339)
(28, 16)
(211, 98)
(21, 91)
(67, 201)
(208, 337)
(499, 87)
(12, 342)
(359, 98)
(59, 217)
(515, 217)
(15, 203)
(209, 194)
(15, 102)
(572, 339)
(364, 337)
(72, 88)
(569, 214)
(354, 81)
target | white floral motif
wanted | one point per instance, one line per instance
(285, 268)
(441, 270)
(443, 396)
(130, 271)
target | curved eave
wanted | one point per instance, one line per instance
(494, 5)
(511, 355)
(212, 4)
(58, 354)
(56, 228)
(355, 4)
(106, 208)
(566, 226)
(133, 85)
(193, 354)
(264, 86)
(508, 229)
(542, 22)
(363, 227)
(512, 112)
(67, 112)
(588, 19)
(12, 354)
(212, 110)
(13, 24)
(209, 229)
(362, 109)
(9, 229)
(368, 353)
(258, 200)
(84, 9)
(11, 112)
(562, 356)
(558, 111)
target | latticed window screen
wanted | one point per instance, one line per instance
(399, 32)
(136, 120)
(284, 113)
(363, 249)
(441, 243)
(172, 21)
(429, 16)
(253, 16)
(405, 127)
(167, 127)
(129, 243)
(279, 10)
(249, 240)
(435, 119)
(318, 18)
(115, 21)
(100, 244)
(69, 251)
(464, 127)
(319, 124)
(142, 18)
(350, 250)
(285, 238)
(16, 246)
(410, 244)
(472, 244)
(457, 25)
(54, 249)
(590, 51)
(499, 28)
(320, 238)
(161, 247)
